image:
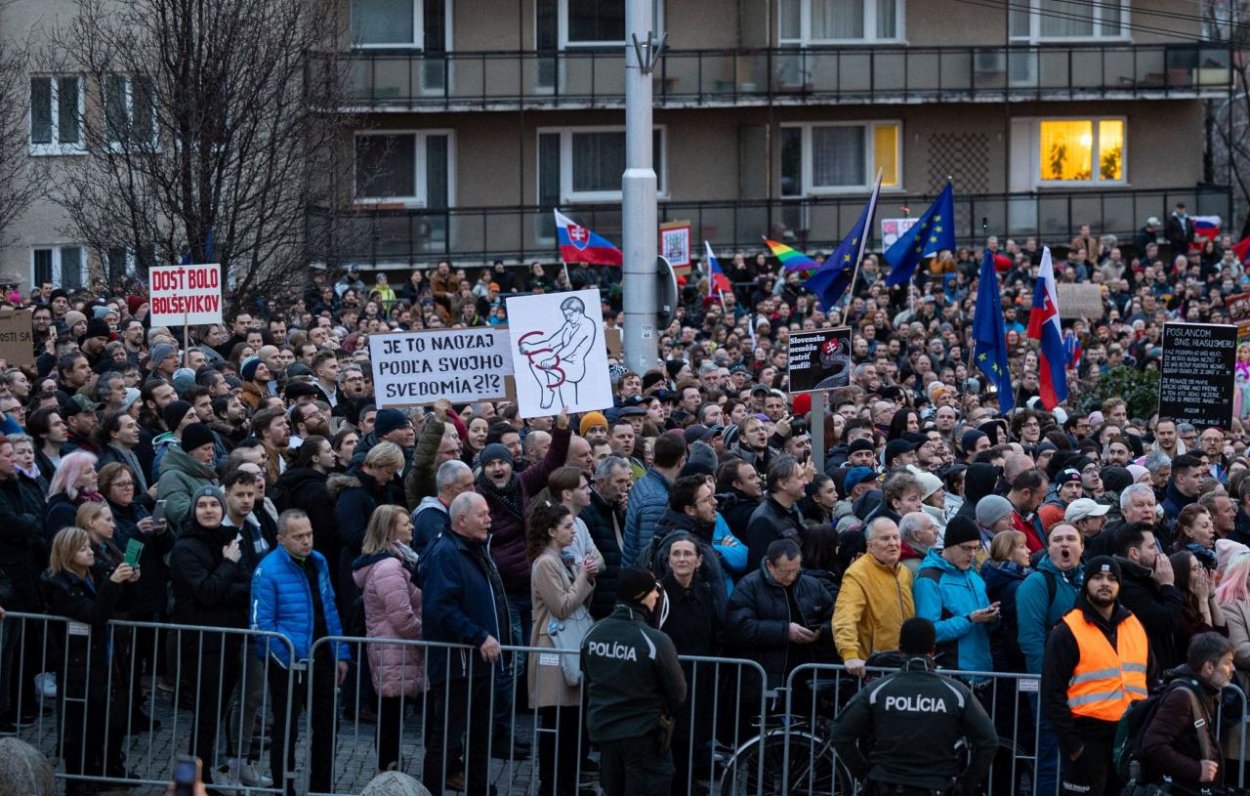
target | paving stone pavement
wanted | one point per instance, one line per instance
(151, 755)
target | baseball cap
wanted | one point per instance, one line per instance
(856, 476)
(1084, 507)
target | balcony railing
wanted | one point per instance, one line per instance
(413, 81)
(396, 238)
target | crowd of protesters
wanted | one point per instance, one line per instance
(289, 503)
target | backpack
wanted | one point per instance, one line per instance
(1131, 729)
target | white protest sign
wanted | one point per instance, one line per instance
(461, 365)
(558, 353)
(185, 295)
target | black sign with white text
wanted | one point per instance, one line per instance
(1196, 384)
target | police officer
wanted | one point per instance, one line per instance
(634, 686)
(914, 719)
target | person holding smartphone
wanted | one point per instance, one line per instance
(951, 594)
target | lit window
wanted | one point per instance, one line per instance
(1081, 150)
(839, 158)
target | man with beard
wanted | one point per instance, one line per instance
(305, 420)
(1097, 664)
(353, 393)
(605, 520)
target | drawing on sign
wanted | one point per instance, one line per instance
(558, 353)
(557, 359)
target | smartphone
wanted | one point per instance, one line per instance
(186, 775)
(133, 549)
(158, 513)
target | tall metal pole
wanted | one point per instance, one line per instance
(638, 187)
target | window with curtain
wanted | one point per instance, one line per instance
(586, 165)
(1080, 150)
(413, 168)
(838, 158)
(1070, 19)
(838, 20)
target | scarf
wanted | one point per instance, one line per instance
(509, 496)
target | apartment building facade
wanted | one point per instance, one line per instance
(472, 119)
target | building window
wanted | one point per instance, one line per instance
(63, 266)
(583, 23)
(1080, 150)
(820, 21)
(409, 168)
(586, 164)
(129, 112)
(839, 158)
(423, 24)
(56, 109)
(1049, 20)
(121, 262)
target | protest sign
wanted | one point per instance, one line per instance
(1196, 384)
(1080, 301)
(820, 360)
(558, 353)
(892, 228)
(17, 341)
(675, 245)
(461, 365)
(185, 295)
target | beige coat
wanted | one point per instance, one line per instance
(1237, 615)
(556, 595)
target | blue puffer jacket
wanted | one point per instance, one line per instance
(959, 593)
(283, 603)
(1034, 616)
(647, 501)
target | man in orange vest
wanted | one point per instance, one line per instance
(1097, 662)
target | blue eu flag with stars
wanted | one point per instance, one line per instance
(834, 276)
(932, 232)
(989, 333)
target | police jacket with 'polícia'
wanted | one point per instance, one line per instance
(1093, 668)
(914, 719)
(632, 676)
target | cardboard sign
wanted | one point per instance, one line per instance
(461, 365)
(558, 353)
(820, 360)
(17, 340)
(1196, 381)
(1080, 301)
(185, 295)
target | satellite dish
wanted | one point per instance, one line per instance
(666, 294)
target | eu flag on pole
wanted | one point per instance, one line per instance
(932, 232)
(989, 333)
(832, 279)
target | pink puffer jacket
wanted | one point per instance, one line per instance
(392, 610)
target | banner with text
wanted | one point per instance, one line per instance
(820, 360)
(185, 295)
(1196, 384)
(461, 365)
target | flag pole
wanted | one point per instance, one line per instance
(863, 243)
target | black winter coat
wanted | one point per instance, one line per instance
(1169, 744)
(23, 548)
(80, 648)
(604, 522)
(737, 509)
(1158, 608)
(149, 594)
(306, 489)
(210, 590)
(760, 613)
(769, 522)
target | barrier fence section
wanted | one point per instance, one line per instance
(115, 704)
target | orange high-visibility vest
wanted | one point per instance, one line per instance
(1105, 680)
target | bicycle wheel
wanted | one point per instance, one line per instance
(759, 768)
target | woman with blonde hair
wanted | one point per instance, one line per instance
(1003, 572)
(75, 590)
(560, 587)
(386, 574)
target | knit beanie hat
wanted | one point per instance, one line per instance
(196, 435)
(960, 530)
(970, 438)
(1102, 564)
(250, 366)
(389, 420)
(590, 420)
(173, 414)
(208, 490)
(633, 584)
(494, 452)
(97, 327)
(991, 509)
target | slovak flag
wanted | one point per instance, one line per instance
(580, 245)
(1072, 348)
(1052, 360)
(716, 279)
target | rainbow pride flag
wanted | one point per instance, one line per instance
(791, 260)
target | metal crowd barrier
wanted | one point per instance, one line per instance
(451, 715)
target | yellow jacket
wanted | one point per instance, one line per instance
(873, 603)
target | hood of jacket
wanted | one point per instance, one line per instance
(364, 564)
(980, 481)
(178, 459)
(429, 502)
(295, 477)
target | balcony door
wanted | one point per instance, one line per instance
(398, 27)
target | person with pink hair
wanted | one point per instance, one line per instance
(73, 484)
